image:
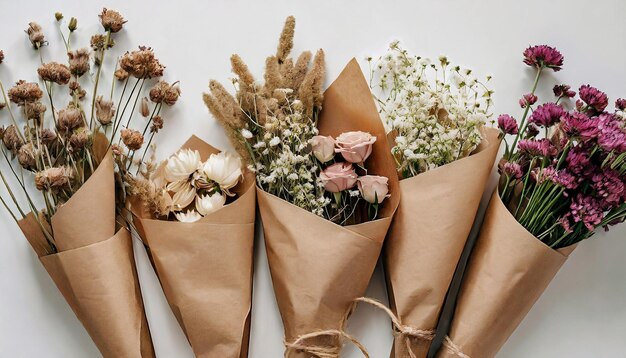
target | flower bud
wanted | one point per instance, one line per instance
(73, 25)
(373, 188)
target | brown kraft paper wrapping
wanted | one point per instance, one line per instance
(318, 268)
(94, 267)
(427, 236)
(205, 269)
(507, 273)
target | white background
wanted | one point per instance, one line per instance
(582, 314)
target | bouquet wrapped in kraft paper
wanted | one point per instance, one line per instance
(203, 257)
(319, 268)
(94, 266)
(444, 155)
(562, 178)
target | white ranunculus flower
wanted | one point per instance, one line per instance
(207, 204)
(188, 217)
(184, 194)
(182, 165)
(223, 168)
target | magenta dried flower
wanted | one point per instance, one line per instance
(547, 115)
(587, 210)
(578, 161)
(543, 56)
(507, 124)
(580, 125)
(609, 188)
(527, 100)
(537, 148)
(620, 104)
(563, 91)
(612, 135)
(593, 97)
(512, 170)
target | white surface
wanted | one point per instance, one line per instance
(582, 314)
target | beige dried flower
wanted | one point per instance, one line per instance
(34, 110)
(172, 94)
(111, 20)
(157, 92)
(157, 124)
(99, 42)
(54, 72)
(104, 111)
(55, 178)
(120, 74)
(12, 139)
(79, 61)
(300, 69)
(142, 63)
(69, 119)
(35, 35)
(24, 92)
(79, 139)
(26, 156)
(132, 139)
(47, 136)
(144, 109)
(1, 56)
(310, 91)
(273, 79)
(285, 43)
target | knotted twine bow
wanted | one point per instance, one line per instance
(401, 331)
(323, 351)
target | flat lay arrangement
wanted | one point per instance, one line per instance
(401, 163)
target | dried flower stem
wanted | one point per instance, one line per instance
(95, 87)
(8, 104)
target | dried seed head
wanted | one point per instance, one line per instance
(79, 61)
(157, 124)
(26, 156)
(144, 110)
(111, 20)
(69, 119)
(24, 92)
(104, 111)
(99, 42)
(132, 139)
(58, 16)
(54, 72)
(157, 92)
(142, 63)
(73, 25)
(11, 139)
(35, 35)
(34, 110)
(285, 43)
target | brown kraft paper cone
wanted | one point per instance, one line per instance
(205, 269)
(427, 236)
(94, 267)
(507, 273)
(318, 268)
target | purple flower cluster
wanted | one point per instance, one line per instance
(571, 164)
(543, 56)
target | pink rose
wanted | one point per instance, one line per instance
(323, 148)
(338, 177)
(355, 147)
(373, 188)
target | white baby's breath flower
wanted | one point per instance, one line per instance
(274, 141)
(246, 133)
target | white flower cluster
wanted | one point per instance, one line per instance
(284, 163)
(435, 109)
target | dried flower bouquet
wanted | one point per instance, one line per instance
(562, 177)
(326, 185)
(435, 113)
(61, 153)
